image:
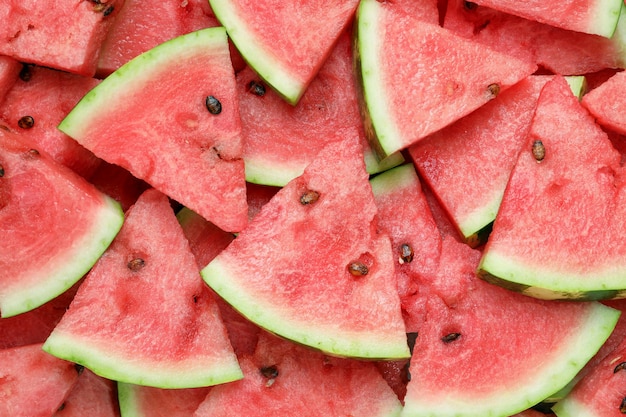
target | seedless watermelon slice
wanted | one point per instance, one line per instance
(54, 226)
(286, 42)
(143, 314)
(171, 117)
(289, 271)
(409, 87)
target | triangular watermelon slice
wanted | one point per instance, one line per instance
(143, 314)
(606, 104)
(285, 42)
(560, 231)
(189, 146)
(312, 266)
(417, 77)
(54, 226)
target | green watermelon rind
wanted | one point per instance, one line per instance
(61, 273)
(607, 16)
(571, 407)
(256, 56)
(130, 76)
(127, 399)
(561, 365)
(549, 282)
(191, 373)
(363, 344)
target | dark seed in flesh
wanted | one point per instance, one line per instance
(493, 90)
(406, 253)
(450, 337)
(309, 197)
(622, 406)
(108, 10)
(136, 264)
(213, 105)
(256, 88)
(269, 372)
(26, 122)
(619, 367)
(539, 151)
(358, 269)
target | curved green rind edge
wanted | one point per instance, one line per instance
(189, 373)
(76, 263)
(380, 128)
(549, 284)
(129, 77)
(127, 400)
(273, 318)
(607, 15)
(255, 54)
(561, 366)
(571, 407)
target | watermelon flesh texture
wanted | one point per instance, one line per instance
(55, 226)
(481, 150)
(606, 103)
(554, 49)
(310, 233)
(597, 17)
(47, 96)
(141, 401)
(9, 72)
(286, 43)
(92, 396)
(402, 107)
(281, 139)
(475, 335)
(183, 150)
(147, 274)
(559, 232)
(34, 383)
(65, 37)
(282, 378)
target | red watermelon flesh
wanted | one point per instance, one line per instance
(92, 396)
(598, 17)
(146, 295)
(286, 43)
(607, 104)
(285, 379)
(142, 401)
(281, 139)
(138, 28)
(66, 36)
(475, 336)
(54, 225)
(34, 383)
(557, 50)
(289, 270)
(47, 96)
(468, 163)
(183, 149)
(560, 229)
(9, 71)
(409, 88)
(258, 195)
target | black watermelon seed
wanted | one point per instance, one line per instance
(256, 88)
(406, 253)
(136, 264)
(622, 406)
(358, 269)
(620, 366)
(450, 337)
(269, 372)
(108, 10)
(26, 122)
(309, 197)
(213, 105)
(493, 90)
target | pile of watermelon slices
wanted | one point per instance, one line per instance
(368, 208)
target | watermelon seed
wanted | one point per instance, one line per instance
(271, 373)
(256, 88)
(136, 264)
(32, 153)
(213, 105)
(619, 367)
(358, 269)
(622, 406)
(26, 122)
(493, 90)
(108, 11)
(450, 337)
(406, 253)
(195, 299)
(539, 151)
(309, 197)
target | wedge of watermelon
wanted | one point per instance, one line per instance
(286, 43)
(560, 229)
(182, 149)
(54, 224)
(606, 103)
(312, 266)
(141, 401)
(146, 294)
(284, 379)
(409, 89)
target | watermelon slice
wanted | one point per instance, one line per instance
(560, 229)
(141, 401)
(597, 17)
(284, 379)
(54, 225)
(146, 294)
(409, 89)
(285, 42)
(92, 396)
(606, 103)
(183, 150)
(312, 267)
(34, 383)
